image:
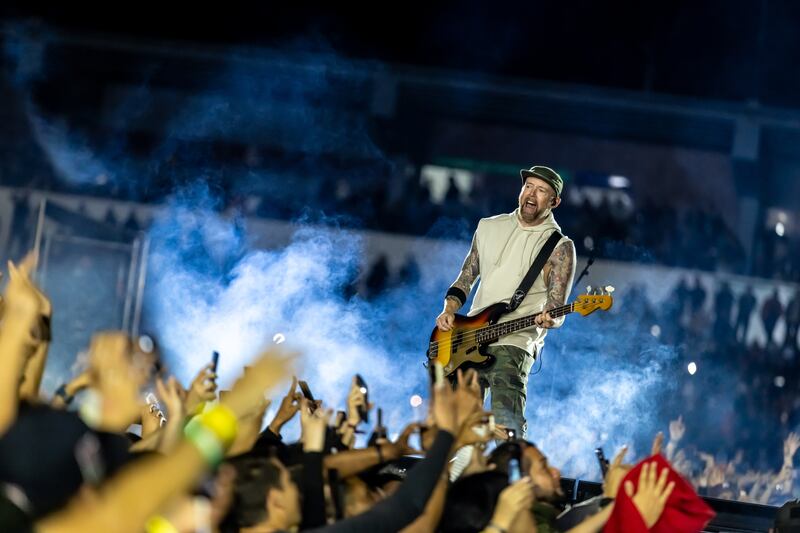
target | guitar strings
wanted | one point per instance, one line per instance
(469, 334)
(473, 333)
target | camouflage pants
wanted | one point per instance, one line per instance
(507, 379)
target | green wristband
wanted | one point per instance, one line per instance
(205, 441)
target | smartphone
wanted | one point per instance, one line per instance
(312, 403)
(514, 470)
(601, 458)
(363, 412)
(339, 420)
(514, 473)
(215, 360)
(379, 432)
(306, 391)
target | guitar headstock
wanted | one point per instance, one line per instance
(594, 299)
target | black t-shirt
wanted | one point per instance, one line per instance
(38, 455)
(12, 518)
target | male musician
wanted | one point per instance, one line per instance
(503, 249)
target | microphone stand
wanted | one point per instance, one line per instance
(585, 269)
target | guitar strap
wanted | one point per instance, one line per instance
(533, 272)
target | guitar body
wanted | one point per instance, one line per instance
(458, 348)
(465, 345)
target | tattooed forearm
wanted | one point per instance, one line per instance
(470, 271)
(561, 270)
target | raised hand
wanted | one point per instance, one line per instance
(500, 432)
(26, 267)
(676, 429)
(445, 411)
(615, 474)
(202, 389)
(401, 447)
(717, 476)
(270, 368)
(707, 458)
(314, 423)
(652, 494)
(290, 405)
(468, 434)
(790, 447)
(22, 299)
(468, 397)
(658, 442)
(172, 396)
(355, 399)
(513, 500)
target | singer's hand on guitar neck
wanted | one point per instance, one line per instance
(544, 320)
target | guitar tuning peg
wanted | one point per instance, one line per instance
(609, 289)
(588, 289)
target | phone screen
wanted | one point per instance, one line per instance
(601, 458)
(514, 473)
(363, 412)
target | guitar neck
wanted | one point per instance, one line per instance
(494, 332)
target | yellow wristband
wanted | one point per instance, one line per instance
(221, 420)
(205, 440)
(159, 524)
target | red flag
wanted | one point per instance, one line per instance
(685, 511)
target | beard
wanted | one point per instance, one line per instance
(530, 214)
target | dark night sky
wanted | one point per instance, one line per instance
(722, 49)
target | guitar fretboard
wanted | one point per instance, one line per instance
(494, 332)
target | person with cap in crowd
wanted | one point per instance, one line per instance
(504, 247)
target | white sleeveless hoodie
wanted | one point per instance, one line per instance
(506, 250)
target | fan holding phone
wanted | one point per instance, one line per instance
(358, 405)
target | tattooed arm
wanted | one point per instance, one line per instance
(459, 291)
(558, 274)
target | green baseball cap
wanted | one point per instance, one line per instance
(546, 174)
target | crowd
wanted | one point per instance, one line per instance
(204, 460)
(401, 202)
